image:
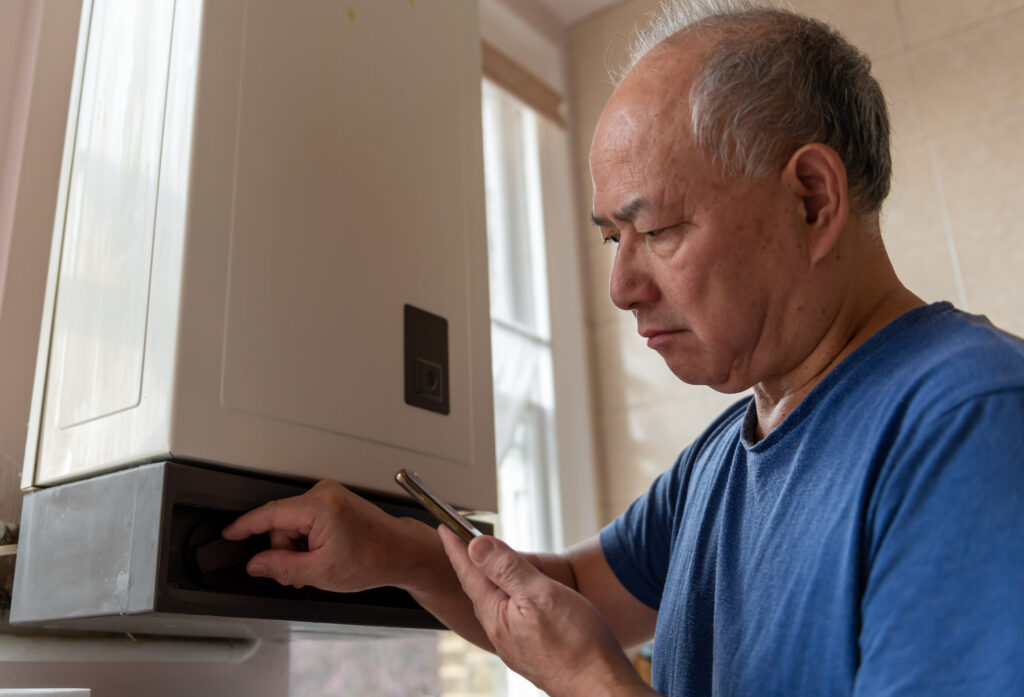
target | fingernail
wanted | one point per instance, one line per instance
(480, 549)
(257, 570)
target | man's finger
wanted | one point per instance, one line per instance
(276, 515)
(505, 568)
(287, 567)
(476, 585)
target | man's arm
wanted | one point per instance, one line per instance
(335, 540)
(584, 568)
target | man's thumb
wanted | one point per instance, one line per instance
(503, 565)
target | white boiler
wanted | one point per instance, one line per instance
(269, 260)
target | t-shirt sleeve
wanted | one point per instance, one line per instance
(637, 544)
(943, 602)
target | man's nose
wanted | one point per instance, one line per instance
(631, 285)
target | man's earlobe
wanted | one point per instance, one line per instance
(817, 176)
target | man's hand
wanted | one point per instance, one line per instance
(540, 628)
(332, 539)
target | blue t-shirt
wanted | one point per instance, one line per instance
(872, 544)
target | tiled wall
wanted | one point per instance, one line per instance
(952, 73)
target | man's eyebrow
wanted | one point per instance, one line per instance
(626, 215)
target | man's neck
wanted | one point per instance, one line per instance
(853, 324)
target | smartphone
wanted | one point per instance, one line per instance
(444, 513)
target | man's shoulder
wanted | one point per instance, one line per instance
(946, 355)
(957, 335)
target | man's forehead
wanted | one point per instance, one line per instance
(636, 145)
(650, 108)
(634, 134)
(643, 137)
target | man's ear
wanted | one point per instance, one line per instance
(817, 177)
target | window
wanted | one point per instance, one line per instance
(520, 324)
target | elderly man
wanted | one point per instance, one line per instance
(857, 526)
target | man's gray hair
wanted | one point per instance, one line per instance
(774, 81)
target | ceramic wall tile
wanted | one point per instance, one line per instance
(927, 270)
(992, 259)
(971, 75)
(612, 509)
(981, 169)
(642, 442)
(895, 76)
(915, 227)
(927, 19)
(914, 213)
(717, 402)
(629, 373)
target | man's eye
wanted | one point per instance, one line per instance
(605, 239)
(664, 241)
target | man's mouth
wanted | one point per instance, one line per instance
(658, 337)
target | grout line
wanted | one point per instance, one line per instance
(902, 22)
(947, 228)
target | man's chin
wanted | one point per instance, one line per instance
(696, 375)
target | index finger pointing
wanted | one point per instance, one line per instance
(285, 514)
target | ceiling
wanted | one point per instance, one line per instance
(571, 11)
